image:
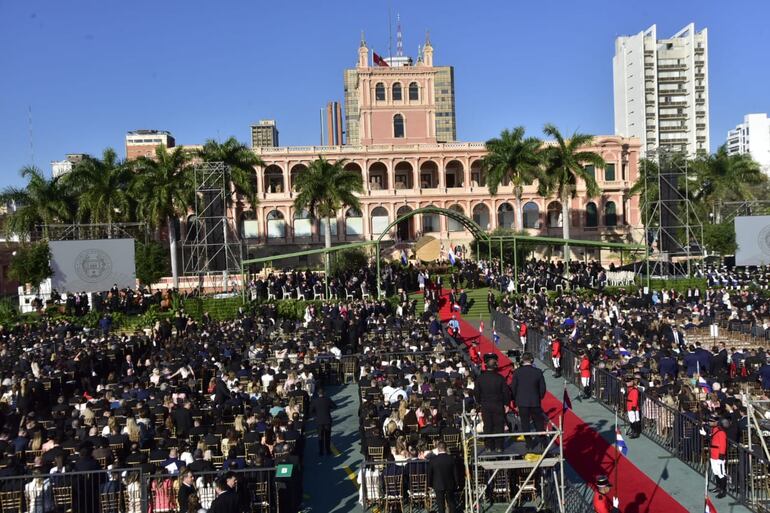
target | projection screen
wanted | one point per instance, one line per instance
(752, 234)
(92, 265)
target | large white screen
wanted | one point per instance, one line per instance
(92, 265)
(752, 234)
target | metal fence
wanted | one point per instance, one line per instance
(131, 490)
(678, 432)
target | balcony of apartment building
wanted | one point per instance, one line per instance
(669, 103)
(679, 66)
(673, 115)
(672, 79)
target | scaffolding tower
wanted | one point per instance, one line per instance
(673, 230)
(210, 245)
(482, 467)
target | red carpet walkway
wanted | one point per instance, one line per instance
(586, 451)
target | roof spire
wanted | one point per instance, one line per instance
(363, 39)
(399, 38)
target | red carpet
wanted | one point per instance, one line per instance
(586, 451)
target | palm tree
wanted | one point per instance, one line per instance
(241, 162)
(42, 201)
(726, 177)
(564, 165)
(511, 157)
(164, 191)
(102, 188)
(324, 189)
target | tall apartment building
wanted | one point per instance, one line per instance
(399, 103)
(661, 90)
(142, 143)
(264, 134)
(752, 137)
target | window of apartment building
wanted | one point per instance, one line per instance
(397, 92)
(414, 92)
(398, 126)
(379, 92)
(609, 173)
(610, 214)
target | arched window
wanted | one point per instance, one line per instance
(276, 226)
(451, 224)
(610, 214)
(430, 222)
(481, 216)
(414, 92)
(379, 221)
(505, 216)
(302, 225)
(592, 216)
(354, 223)
(554, 215)
(398, 126)
(396, 92)
(531, 215)
(379, 92)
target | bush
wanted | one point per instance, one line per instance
(348, 260)
(151, 263)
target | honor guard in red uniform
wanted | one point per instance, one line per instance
(718, 453)
(602, 501)
(633, 408)
(585, 374)
(556, 356)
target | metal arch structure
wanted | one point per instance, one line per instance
(466, 222)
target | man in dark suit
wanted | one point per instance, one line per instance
(186, 489)
(321, 408)
(227, 499)
(183, 420)
(528, 390)
(443, 478)
(493, 394)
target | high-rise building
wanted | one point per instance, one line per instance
(661, 90)
(399, 103)
(62, 167)
(752, 137)
(142, 143)
(264, 134)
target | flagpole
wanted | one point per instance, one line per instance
(706, 488)
(617, 455)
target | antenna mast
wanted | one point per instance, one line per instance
(399, 38)
(390, 35)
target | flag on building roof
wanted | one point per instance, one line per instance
(379, 61)
(709, 507)
(620, 444)
(566, 404)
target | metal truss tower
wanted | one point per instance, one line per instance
(673, 230)
(210, 245)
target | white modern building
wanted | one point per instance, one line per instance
(62, 167)
(661, 90)
(752, 137)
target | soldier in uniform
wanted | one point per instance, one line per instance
(585, 374)
(718, 453)
(632, 408)
(556, 356)
(602, 501)
(492, 393)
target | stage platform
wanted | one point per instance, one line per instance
(513, 457)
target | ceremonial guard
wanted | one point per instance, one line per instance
(632, 408)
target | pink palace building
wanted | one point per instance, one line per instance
(400, 128)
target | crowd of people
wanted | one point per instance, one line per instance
(680, 363)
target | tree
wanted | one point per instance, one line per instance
(512, 157)
(163, 190)
(720, 238)
(241, 162)
(31, 264)
(564, 165)
(646, 186)
(325, 188)
(102, 186)
(151, 263)
(42, 201)
(726, 177)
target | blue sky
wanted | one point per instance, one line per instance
(91, 70)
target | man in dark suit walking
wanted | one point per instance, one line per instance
(493, 394)
(528, 390)
(321, 408)
(226, 500)
(443, 478)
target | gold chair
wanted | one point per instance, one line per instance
(62, 497)
(110, 502)
(12, 502)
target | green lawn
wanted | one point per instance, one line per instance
(476, 297)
